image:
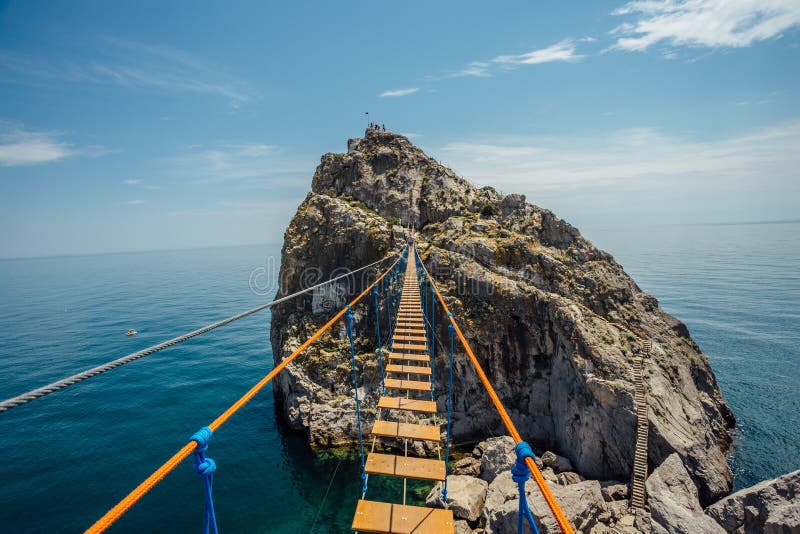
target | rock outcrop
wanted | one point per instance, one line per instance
(674, 506)
(771, 507)
(584, 503)
(554, 321)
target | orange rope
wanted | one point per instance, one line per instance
(125, 504)
(537, 475)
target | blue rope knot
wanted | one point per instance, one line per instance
(205, 467)
(349, 317)
(202, 437)
(520, 473)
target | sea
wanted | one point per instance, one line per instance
(67, 458)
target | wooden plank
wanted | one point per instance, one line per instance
(410, 331)
(419, 432)
(372, 516)
(410, 385)
(407, 338)
(410, 405)
(421, 520)
(408, 346)
(400, 356)
(408, 369)
(404, 466)
(393, 429)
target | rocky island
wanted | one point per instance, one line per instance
(556, 323)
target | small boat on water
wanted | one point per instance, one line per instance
(131, 333)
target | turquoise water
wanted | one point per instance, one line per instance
(67, 458)
(737, 287)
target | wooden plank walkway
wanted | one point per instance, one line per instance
(387, 518)
(410, 385)
(395, 429)
(405, 466)
(411, 405)
(408, 369)
(409, 357)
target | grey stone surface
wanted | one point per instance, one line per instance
(467, 466)
(771, 506)
(465, 495)
(554, 321)
(556, 462)
(581, 503)
(614, 491)
(568, 478)
(498, 456)
(674, 503)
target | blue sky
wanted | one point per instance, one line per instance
(147, 125)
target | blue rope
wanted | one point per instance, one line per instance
(205, 467)
(389, 306)
(451, 330)
(358, 404)
(378, 330)
(520, 474)
(433, 342)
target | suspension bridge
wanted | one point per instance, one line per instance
(407, 408)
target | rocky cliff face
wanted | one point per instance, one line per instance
(554, 321)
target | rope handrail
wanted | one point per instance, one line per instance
(125, 504)
(37, 393)
(498, 404)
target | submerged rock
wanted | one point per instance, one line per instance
(554, 321)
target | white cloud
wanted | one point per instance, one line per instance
(20, 147)
(564, 50)
(400, 92)
(140, 183)
(708, 23)
(478, 69)
(561, 51)
(644, 176)
(135, 202)
(627, 157)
